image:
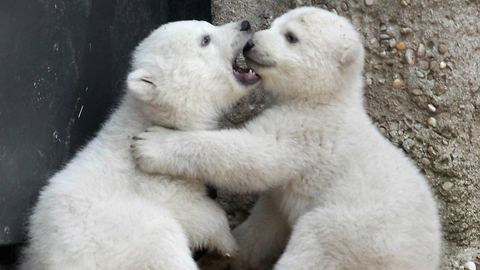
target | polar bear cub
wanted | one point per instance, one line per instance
(337, 194)
(100, 211)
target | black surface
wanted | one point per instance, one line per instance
(8, 257)
(62, 68)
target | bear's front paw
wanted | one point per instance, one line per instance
(146, 151)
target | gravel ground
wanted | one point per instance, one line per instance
(422, 91)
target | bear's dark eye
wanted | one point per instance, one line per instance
(291, 38)
(205, 40)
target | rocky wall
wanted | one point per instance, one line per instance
(422, 91)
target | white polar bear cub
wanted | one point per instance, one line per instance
(350, 199)
(100, 211)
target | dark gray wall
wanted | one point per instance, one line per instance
(62, 68)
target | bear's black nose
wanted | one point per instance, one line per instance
(245, 26)
(248, 46)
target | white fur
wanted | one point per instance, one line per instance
(351, 199)
(100, 212)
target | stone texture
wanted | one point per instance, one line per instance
(448, 153)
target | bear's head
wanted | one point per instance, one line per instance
(184, 73)
(308, 53)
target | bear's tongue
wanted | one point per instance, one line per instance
(245, 76)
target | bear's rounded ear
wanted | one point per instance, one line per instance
(141, 84)
(352, 52)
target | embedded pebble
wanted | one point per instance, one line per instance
(393, 51)
(383, 54)
(392, 43)
(447, 186)
(344, 6)
(419, 74)
(373, 41)
(440, 90)
(429, 54)
(417, 92)
(433, 64)
(390, 62)
(425, 161)
(409, 57)
(421, 50)
(408, 144)
(368, 81)
(383, 27)
(381, 81)
(431, 151)
(406, 30)
(401, 46)
(368, 2)
(385, 43)
(432, 122)
(442, 48)
(397, 83)
(403, 3)
(432, 108)
(424, 65)
(470, 266)
(334, 11)
(384, 36)
(443, 65)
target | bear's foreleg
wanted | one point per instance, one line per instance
(235, 160)
(262, 237)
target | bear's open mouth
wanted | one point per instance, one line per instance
(244, 75)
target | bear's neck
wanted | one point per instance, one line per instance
(347, 92)
(125, 122)
(318, 99)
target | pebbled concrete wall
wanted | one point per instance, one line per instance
(422, 90)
